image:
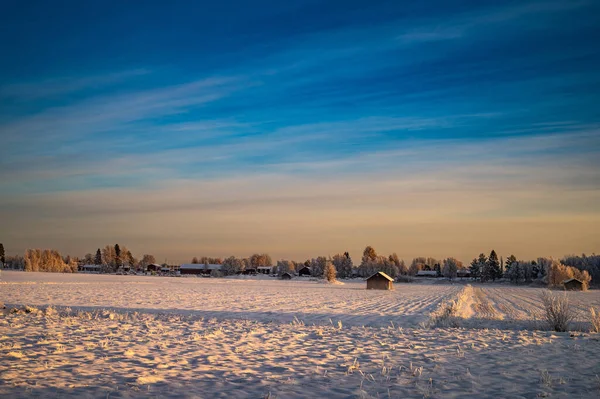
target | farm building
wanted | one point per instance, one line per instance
(286, 276)
(380, 281)
(91, 268)
(198, 268)
(463, 273)
(427, 273)
(264, 269)
(305, 271)
(573, 284)
(153, 267)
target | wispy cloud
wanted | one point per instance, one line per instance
(62, 86)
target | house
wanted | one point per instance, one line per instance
(91, 268)
(305, 271)
(264, 269)
(463, 273)
(427, 273)
(380, 281)
(573, 284)
(286, 276)
(198, 268)
(153, 267)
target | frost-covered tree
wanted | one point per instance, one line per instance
(146, 260)
(48, 260)
(195, 260)
(369, 255)
(108, 256)
(589, 263)
(509, 261)
(491, 270)
(257, 260)
(417, 264)
(285, 266)
(131, 259)
(477, 266)
(232, 265)
(329, 273)
(318, 266)
(343, 265)
(450, 267)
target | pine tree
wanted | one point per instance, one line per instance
(98, 258)
(117, 256)
(493, 267)
(509, 261)
(329, 272)
(2, 258)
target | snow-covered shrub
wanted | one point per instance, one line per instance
(557, 311)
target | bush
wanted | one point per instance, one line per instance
(595, 319)
(557, 311)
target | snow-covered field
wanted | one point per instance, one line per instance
(262, 299)
(129, 336)
(508, 307)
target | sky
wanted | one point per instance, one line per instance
(301, 128)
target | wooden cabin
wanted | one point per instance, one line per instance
(305, 271)
(380, 281)
(286, 276)
(573, 284)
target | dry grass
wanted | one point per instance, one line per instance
(557, 311)
(595, 320)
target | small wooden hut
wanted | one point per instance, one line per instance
(573, 284)
(380, 281)
(305, 271)
(286, 276)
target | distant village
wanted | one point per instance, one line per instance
(570, 272)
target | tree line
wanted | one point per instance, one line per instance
(484, 268)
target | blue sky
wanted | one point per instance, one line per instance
(174, 115)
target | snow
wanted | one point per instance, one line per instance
(142, 336)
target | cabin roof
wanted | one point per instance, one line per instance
(381, 274)
(572, 279)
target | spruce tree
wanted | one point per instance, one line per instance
(2, 257)
(117, 256)
(98, 258)
(509, 261)
(493, 266)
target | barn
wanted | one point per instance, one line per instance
(198, 268)
(264, 269)
(286, 276)
(380, 281)
(153, 267)
(573, 284)
(305, 271)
